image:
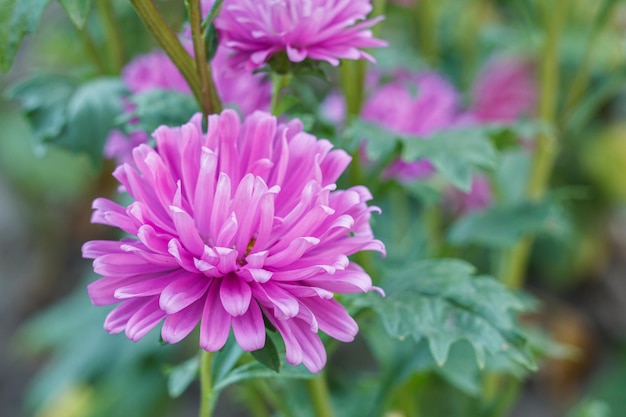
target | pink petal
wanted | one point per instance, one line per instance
(235, 295)
(215, 325)
(249, 328)
(183, 292)
(177, 326)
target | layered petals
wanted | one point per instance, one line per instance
(324, 30)
(241, 223)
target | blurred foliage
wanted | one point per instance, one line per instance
(454, 326)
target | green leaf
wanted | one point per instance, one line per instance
(77, 11)
(455, 154)
(91, 114)
(159, 107)
(211, 37)
(211, 41)
(255, 369)
(76, 119)
(443, 302)
(44, 98)
(181, 376)
(268, 355)
(17, 19)
(504, 225)
(380, 141)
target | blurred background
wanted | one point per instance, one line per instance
(55, 358)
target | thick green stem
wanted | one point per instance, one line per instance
(168, 40)
(378, 9)
(209, 103)
(581, 79)
(320, 397)
(279, 83)
(513, 265)
(114, 37)
(92, 49)
(352, 77)
(275, 400)
(207, 400)
(427, 26)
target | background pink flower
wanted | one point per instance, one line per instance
(504, 91)
(228, 227)
(236, 88)
(326, 30)
(412, 104)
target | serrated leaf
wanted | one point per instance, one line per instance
(455, 154)
(380, 141)
(91, 114)
(181, 376)
(77, 11)
(76, 119)
(44, 98)
(443, 302)
(17, 19)
(255, 370)
(158, 107)
(504, 225)
(268, 355)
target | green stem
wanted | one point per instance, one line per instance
(320, 396)
(279, 83)
(378, 9)
(209, 103)
(207, 399)
(352, 77)
(427, 26)
(470, 27)
(513, 265)
(275, 400)
(581, 79)
(92, 49)
(255, 401)
(168, 40)
(112, 28)
(499, 394)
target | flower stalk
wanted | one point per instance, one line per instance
(170, 43)
(279, 83)
(207, 397)
(320, 396)
(513, 266)
(116, 45)
(209, 102)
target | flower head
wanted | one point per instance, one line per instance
(412, 104)
(151, 71)
(326, 30)
(504, 90)
(230, 226)
(478, 198)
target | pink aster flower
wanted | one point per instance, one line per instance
(478, 198)
(504, 91)
(412, 104)
(230, 226)
(151, 71)
(326, 30)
